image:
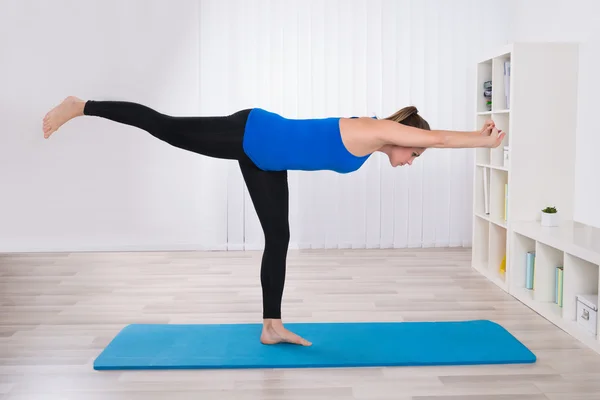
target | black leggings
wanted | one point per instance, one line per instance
(222, 137)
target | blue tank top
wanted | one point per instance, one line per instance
(276, 143)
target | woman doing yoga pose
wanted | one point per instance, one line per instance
(266, 146)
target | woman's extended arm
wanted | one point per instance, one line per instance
(390, 132)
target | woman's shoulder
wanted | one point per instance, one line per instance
(361, 134)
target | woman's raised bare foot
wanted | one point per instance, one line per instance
(273, 332)
(70, 108)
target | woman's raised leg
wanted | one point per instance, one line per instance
(213, 136)
(270, 196)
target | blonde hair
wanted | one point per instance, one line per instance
(409, 116)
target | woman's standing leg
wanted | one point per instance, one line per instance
(270, 196)
(220, 137)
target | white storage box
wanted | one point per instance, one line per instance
(587, 312)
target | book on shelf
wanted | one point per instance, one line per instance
(558, 287)
(486, 205)
(530, 270)
(507, 84)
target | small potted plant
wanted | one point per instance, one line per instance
(549, 216)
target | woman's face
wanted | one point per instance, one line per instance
(400, 156)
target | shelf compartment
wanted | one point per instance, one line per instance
(580, 277)
(521, 245)
(484, 74)
(482, 155)
(481, 233)
(501, 89)
(498, 186)
(497, 249)
(547, 258)
(482, 186)
(502, 122)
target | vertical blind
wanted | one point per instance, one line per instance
(312, 59)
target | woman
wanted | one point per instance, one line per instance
(266, 146)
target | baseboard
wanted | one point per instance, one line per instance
(152, 247)
(109, 247)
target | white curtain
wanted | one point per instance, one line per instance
(321, 58)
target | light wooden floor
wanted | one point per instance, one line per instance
(58, 311)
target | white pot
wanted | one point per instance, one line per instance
(549, 219)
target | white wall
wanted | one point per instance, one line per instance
(98, 185)
(95, 184)
(576, 20)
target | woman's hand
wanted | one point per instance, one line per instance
(487, 127)
(495, 136)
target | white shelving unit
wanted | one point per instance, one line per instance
(540, 119)
(575, 247)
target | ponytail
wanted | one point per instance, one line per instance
(409, 116)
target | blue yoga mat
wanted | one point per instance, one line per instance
(368, 344)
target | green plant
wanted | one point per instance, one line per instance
(549, 210)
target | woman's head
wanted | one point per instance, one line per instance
(400, 156)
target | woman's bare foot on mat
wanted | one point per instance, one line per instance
(273, 332)
(70, 108)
